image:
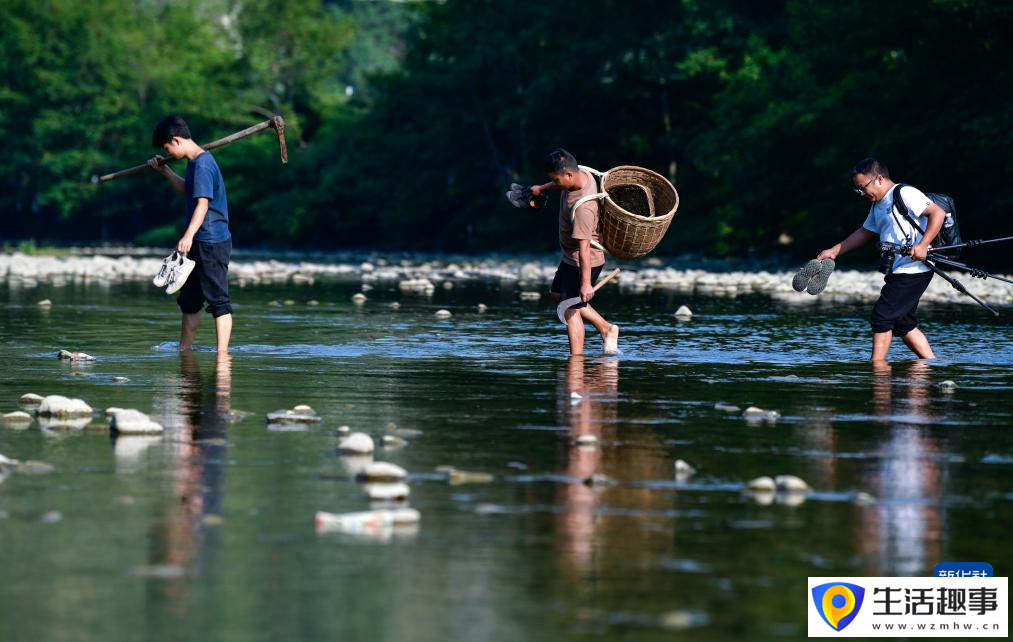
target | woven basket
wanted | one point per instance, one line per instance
(639, 206)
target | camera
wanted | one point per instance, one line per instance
(887, 256)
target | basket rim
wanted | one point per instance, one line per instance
(638, 217)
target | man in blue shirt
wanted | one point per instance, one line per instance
(207, 240)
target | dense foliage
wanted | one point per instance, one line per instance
(408, 121)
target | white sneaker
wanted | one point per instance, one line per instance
(181, 269)
(163, 273)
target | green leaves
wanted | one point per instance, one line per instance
(406, 121)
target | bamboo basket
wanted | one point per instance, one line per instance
(637, 207)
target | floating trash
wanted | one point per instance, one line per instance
(366, 522)
(530, 296)
(443, 314)
(683, 313)
(45, 303)
(481, 307)
(587, 441)
(358, 298)
(948, 386)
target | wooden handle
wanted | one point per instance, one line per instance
(607, 278)
(276, 123)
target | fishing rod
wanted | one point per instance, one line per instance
(975, 243)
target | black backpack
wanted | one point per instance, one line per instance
(949, 234)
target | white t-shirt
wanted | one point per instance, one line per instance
(893, 227)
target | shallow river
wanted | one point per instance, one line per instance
(207, 533)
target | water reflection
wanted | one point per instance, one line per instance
(605, 516)
(188, 535)
(901, 533)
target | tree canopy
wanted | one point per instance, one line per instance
(407, 121)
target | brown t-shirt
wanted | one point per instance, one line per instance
(584, 224)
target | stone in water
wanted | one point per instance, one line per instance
(790, 484)
(134, 422)
(762, 484)
(383, 471)
(357, 443)
(60, 406)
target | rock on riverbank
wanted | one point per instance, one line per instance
(420, 276)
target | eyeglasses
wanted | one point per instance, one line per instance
(861, 190)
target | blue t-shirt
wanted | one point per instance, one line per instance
(204, 180)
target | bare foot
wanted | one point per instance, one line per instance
(611, 339)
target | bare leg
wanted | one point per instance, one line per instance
(609, 331)
(187, 330)
(223, 330)
(919, 344)
(881, 344)
(575, 330)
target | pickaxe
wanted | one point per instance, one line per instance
(568, 303)
(277, 123)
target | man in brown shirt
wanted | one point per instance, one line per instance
(582, 263)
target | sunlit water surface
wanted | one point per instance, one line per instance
(207, 533)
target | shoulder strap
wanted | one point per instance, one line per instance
(901, 206)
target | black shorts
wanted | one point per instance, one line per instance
(567, 281)
(898, 302)
(209, 280)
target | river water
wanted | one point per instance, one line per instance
(207, 533)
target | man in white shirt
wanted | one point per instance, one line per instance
(904, 284)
